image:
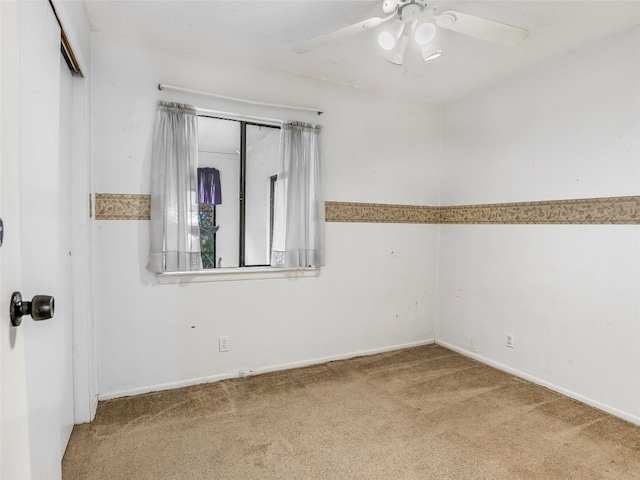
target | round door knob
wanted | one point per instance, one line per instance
(41, 307)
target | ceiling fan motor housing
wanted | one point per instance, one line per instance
(389, 6)
(409, 10)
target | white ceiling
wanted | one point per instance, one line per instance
(263, 32)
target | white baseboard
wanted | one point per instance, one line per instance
(258, 370)
(576, 396)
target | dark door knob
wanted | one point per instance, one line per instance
(41, 307)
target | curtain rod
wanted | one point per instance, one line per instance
(290, 107)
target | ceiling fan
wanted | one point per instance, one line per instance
(412, 18)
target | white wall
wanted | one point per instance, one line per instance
(377, 290)
(569, 293)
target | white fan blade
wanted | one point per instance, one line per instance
(312, 43)
(482, 28)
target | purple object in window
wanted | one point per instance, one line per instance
(209, 186)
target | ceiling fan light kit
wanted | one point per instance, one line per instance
(424, 24)
(409, 12)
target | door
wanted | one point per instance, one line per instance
(36, 393)
(15, 461)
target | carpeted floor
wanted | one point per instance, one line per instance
(420, 413)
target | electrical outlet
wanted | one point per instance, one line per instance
(510, 340)
(223, 344)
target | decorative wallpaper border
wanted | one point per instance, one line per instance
(590, 211)
(594, 211)
(380, 213)
(118, 206)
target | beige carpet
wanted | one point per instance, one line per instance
(420, 413)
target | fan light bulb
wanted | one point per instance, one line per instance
(388, 38)
(424, 33)
(433, 56)
(386, 41)
(430, 52)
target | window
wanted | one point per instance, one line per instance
(237, 176)
(233, 193)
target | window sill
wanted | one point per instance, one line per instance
(232, 274)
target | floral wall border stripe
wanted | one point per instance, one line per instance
(118, 206)
(590, 211)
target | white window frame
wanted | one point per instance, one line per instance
(236, 273)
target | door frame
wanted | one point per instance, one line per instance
(76, 28)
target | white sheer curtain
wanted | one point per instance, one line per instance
(298, 232)
(175, 233)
